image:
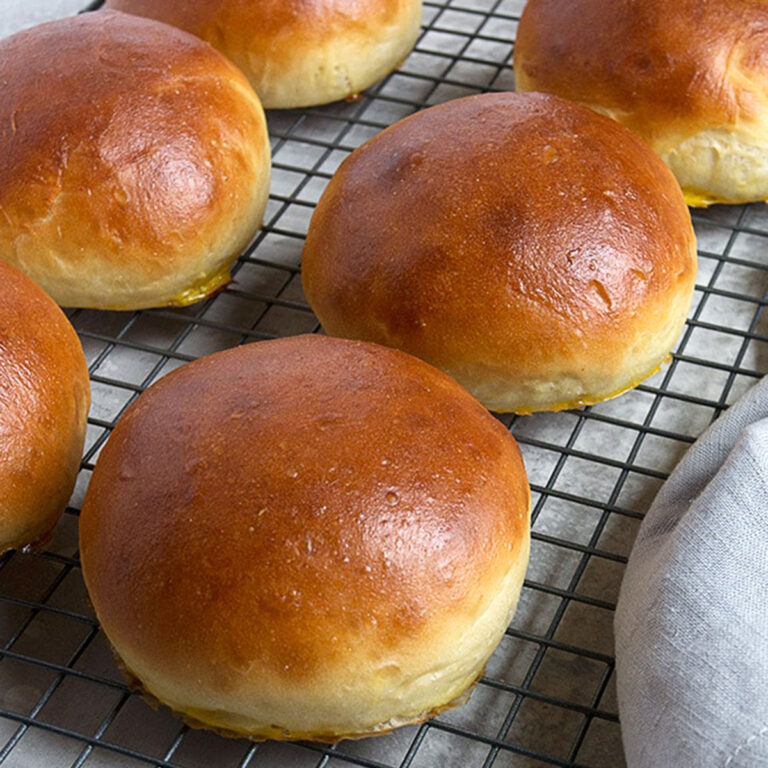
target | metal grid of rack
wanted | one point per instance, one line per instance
(547, 697)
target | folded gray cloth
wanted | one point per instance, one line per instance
(692, 617)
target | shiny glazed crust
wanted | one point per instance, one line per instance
(306, 539)
(134, 161)
(689, 76)
(298, 53)
(539, 253)
(44, 400)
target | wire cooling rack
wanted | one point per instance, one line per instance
(547, 697)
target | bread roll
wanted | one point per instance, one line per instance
(44, 399)
(134, 162)
(689, 76)
(298, 53)
(307, 538)
(539, 253)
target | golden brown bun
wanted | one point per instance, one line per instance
(134, 161)
(298, 53)
(307, 538)
(539, 253)
(689, 76)
(44, 400)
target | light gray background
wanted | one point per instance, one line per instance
(19, 14)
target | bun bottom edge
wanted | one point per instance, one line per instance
(26, 545)
(197, 722)
(581, 401)
(695, 198)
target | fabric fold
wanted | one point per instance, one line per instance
(692, 616)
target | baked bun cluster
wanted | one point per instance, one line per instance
(134, 161)
(316, 537)
(298, 53)
(44, 399)
(689, 76)
(272, 553)
(536, 251)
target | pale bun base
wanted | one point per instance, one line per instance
(298, 54)
(721, 166)
(203, 266)
(715, 166)
(547, 395)
(562, 389)
(341, 69)
(354, 703)
(28, 529)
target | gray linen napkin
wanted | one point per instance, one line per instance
(692, 616)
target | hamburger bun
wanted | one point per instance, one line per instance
(537, 252)
(134, 162)
(308, 538)
(44, 400)
(689, 76)
(298, 53)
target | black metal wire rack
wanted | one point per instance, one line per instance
(547, 697)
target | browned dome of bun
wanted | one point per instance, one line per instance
(538, 252)
(308, 538)
(134, 161)
(689, 76)
(44, 399)
(298, 53)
